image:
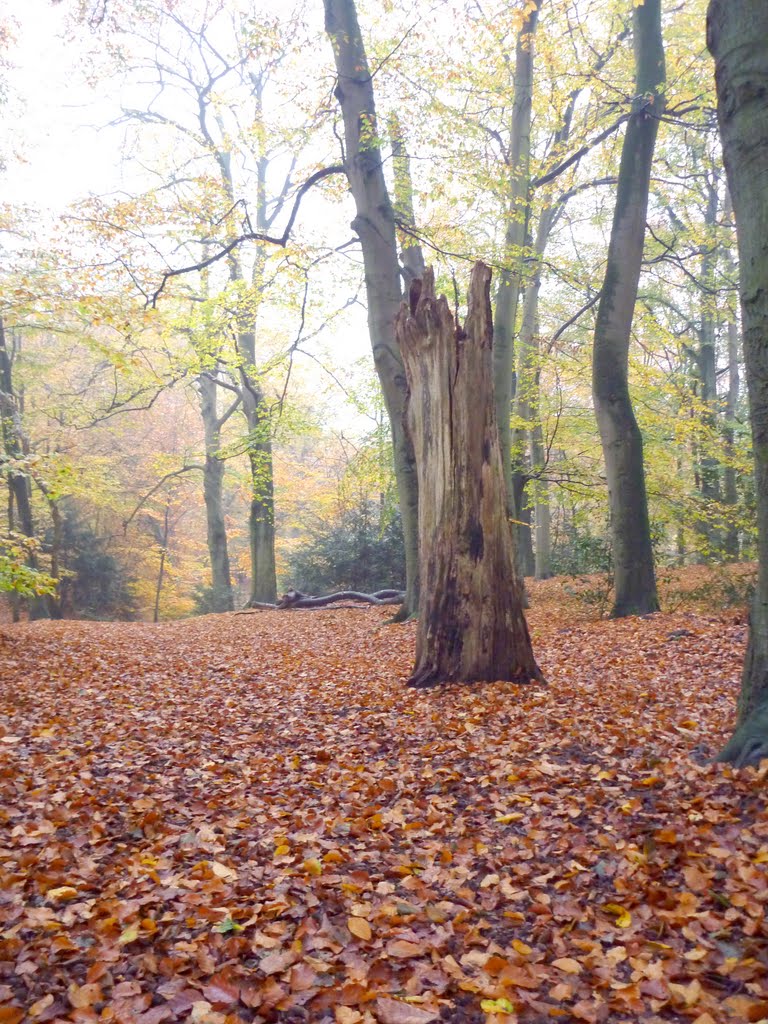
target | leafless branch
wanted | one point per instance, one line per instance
(252, 236)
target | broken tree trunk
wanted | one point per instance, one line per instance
(471, 622)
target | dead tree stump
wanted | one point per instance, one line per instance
(471, 622)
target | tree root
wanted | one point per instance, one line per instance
(749, 743)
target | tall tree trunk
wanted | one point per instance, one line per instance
(15, 447)
(634, 577)
(528, 405)
(411, 256)
(213, 485)
(261, 520)
(518, 211)
(527, 396)
(375, 227)
(162, 537)
(706, 361)
(471, 622)
(736, 35)
(730, 489)
(261, 516)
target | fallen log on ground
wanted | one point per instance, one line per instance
(296, 599)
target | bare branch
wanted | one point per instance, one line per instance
(253, 236)
(158, 485)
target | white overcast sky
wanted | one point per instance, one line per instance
(51, 117)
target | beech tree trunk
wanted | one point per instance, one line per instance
(706, 365)
(261, 516)
(213, 483)
(634, 577)
(375, 226)
(730, 487)
(527, 395)
(736, 35)
(411, 255)
(471, 622)
(510, 281)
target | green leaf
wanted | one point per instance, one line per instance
(227, 926)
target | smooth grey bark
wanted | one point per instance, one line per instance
(633, 570)
(213, 487)
(706, 364)
(730, 487)
(261, 517)
(258, 419)
(374, 224)
(411, 255)
(736, 35)
(161, 536)
(527, 395)
(471, 623)
(510, 281)
(528, 408)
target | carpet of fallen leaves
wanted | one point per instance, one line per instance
(248, 818)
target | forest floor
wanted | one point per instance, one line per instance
(249, 818)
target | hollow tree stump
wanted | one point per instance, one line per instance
(471, 622)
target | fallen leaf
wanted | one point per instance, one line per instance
(395, 1011)
(359, 928)
(404, 948)
(568, 965)
(62, 893)
(622, 915)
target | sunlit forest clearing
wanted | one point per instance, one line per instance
(246, 818)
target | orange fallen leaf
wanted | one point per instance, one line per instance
(395, 1011)
(62, 893)
(42, 1004)
(568, 965)
(359, 928)
(403, 948)
(83, 996)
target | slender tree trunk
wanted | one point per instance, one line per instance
(730, 488)
(471, 622)
(706, 360)
(375, 226)
(161, 567)
(213, 486)
(522, 525)
(527, 396)
(736, 35)
(541, 510)
(13, 596)
(261, 521)
(411, 256)
(54, 602)
(510, 282)
(634, 577)
(261, 516)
